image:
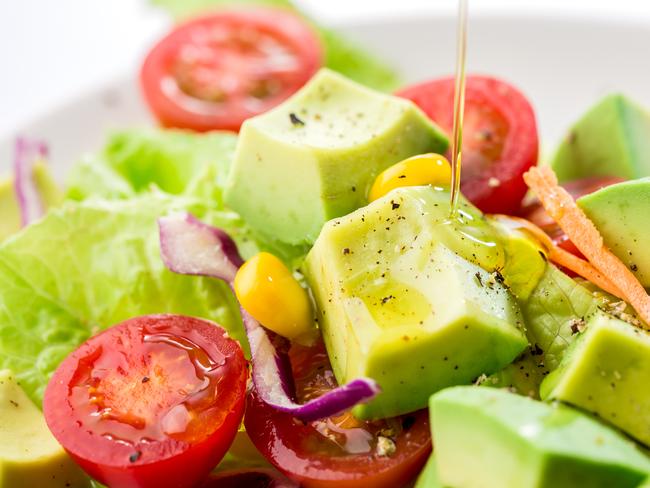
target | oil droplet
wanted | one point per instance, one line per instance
(392, 303)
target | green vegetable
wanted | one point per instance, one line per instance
(554, 312)
(174, 161)
(341, 54)
(87, 266)
(145, 161)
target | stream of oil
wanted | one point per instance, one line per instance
(459, 105)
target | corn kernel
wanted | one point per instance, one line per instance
(424, 169)
(268, 291)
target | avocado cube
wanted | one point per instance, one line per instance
(620, 213)
(611, 139)
(315, 156)
(606, 372)
(396, 304)
(30, 456)
(490, 438)
(428, 478)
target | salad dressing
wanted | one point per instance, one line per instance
(459, 106)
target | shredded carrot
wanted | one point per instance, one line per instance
(564, 258)
(582, 232)
(584, 269)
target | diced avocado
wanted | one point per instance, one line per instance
(397, 305)
(554, 314)
(620, 212)
(490, 438)
(429, 476)
(314, 157)
(611, 139)
(524, 263)
(606, 372)
(9, 212)
(30, 456)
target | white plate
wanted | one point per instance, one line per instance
(563, 63)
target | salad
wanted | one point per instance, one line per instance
(272, 288)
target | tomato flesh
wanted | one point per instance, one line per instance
(215, 71)
(500, 140)
(339, 451)
(154, 401)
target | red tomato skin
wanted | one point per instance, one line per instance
(283, 24)
(520, 146)
(168, 464)
(269, 429)
(340, 451)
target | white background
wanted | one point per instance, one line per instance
(52, 50)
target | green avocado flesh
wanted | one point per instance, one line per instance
(489, 438)
(429, 476)
(30, 457)
(607, 373)
(620, 212)
(397, 305)
(314, 157)
(611, 139)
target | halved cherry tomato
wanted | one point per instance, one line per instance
(215, 71)
(152, 402)
(533, 210)
(500, 139)
(248, 478)
(340, 451)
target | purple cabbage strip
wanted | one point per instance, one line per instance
(247, 477)
(26, 153)
(188, 246)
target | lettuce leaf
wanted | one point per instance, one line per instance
(86, 266)
(174, 161)
(140, 161)
(552, 312)
(341, 54)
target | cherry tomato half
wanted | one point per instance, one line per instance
(248, 478)
(500, 139)
(216, 71)
(340, 451)
(152, 402)
(533, 210)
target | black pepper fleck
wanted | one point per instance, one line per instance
(295, 120)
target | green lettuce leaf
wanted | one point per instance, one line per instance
(87, 266)
(141, 161)
(341, 54)
(174, 161)
(552, 313)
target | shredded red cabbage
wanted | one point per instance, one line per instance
(26, 153)
(189, 246)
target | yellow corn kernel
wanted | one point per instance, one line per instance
(268, 291)
(424, 169)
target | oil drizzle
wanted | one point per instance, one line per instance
(459, 105)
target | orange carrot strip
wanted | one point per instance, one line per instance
(565, 258)
(584, 269)
(582, 232)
